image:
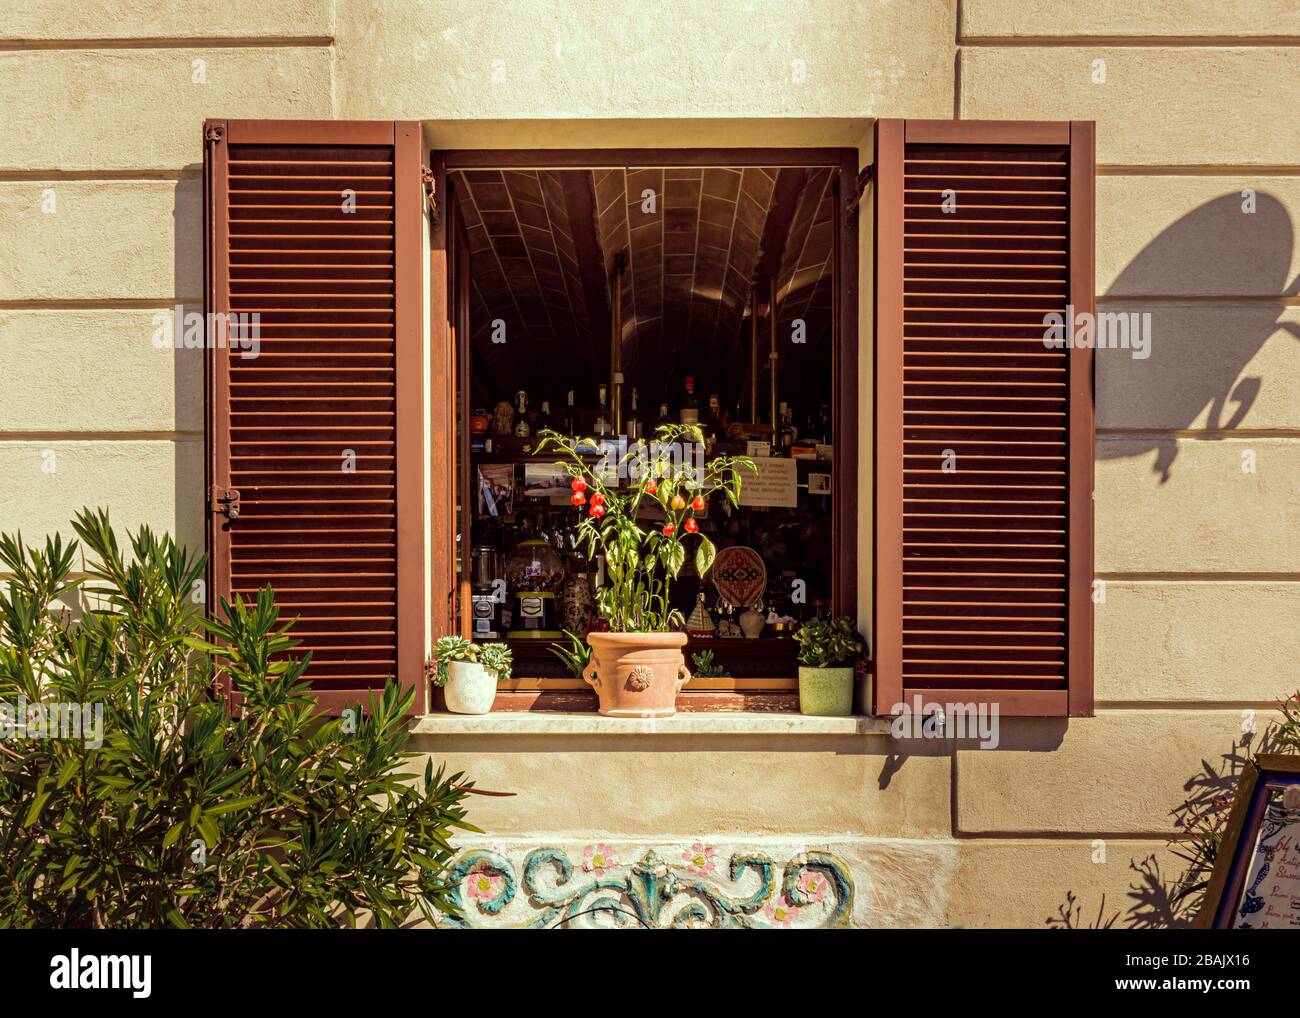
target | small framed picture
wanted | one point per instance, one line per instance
(819, 484)
(1256, 879)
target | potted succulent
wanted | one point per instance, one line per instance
(637, 667)
(828, 651)
(469, 672)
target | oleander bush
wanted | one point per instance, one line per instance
(132, 796)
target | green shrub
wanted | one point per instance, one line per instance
(172, 809)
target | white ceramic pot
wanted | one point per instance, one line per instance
(470, 688)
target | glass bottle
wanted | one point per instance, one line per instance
(570, 423)
(633, 429)
(713, 427)
(602, 416)
(522, 429)
(663, 416)
(690, 409)
(788, 432)
(544, 418)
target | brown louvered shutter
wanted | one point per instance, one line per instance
(316, 227)
(984, 434)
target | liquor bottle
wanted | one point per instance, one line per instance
(544, 418)
(690, 409)
(570, 423)
(634, 429)
(713, 426)
(522, 429)
(602, 416)
(788, 432)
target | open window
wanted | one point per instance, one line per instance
(604, 292)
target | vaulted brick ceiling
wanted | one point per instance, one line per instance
(694, 238)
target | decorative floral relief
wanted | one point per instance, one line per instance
(811, 889)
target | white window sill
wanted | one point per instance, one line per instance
(681, 723)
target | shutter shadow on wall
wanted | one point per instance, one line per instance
(984, 434)
(316, 227)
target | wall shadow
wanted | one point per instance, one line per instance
(1159, 899)
(1190, 373)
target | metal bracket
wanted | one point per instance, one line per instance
(865, 177)
(214, 133)
(427, 179)
(224, 501)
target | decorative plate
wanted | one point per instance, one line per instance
(740, 575)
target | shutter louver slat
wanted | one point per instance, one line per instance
(309, 428)
(981, 447)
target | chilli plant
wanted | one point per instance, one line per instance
(132, 796)
(642, 561)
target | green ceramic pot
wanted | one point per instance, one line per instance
(826, 692)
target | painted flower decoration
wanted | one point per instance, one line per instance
(699, 859)
(813, 885)
(781, 913)
(482, 884)
(598, 859)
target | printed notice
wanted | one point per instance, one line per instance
(775, 484)
(1271, 898)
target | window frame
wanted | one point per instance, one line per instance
(846, 410)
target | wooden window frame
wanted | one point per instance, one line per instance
(890, 138)
(845, 353)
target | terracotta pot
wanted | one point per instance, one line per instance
(637, 675)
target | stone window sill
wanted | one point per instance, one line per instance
(681, 723)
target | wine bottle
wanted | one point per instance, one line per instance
(602, 415)
(544, 418)
(713, 427)
(570, 423)
(633, 429)
(663, 416)
(522, 428)
(690, 409)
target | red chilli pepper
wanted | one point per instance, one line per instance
(597, 510)
(578, 484)
(697, 503)
(691, 526)
(578, 498)
(668, 529)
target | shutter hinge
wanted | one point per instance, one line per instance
(426, 178)
(865, 176)
(214, 133)
(224, 501)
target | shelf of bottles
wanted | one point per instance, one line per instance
(531, 583)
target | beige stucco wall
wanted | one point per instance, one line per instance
(1199, 556)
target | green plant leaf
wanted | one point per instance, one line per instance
(704, 556)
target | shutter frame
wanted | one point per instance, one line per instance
(892, 137)
(402, 381)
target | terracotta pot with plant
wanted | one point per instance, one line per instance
(637, 667)
(469, 673)
(828, 651)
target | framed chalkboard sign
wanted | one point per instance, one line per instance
(1256, 879)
